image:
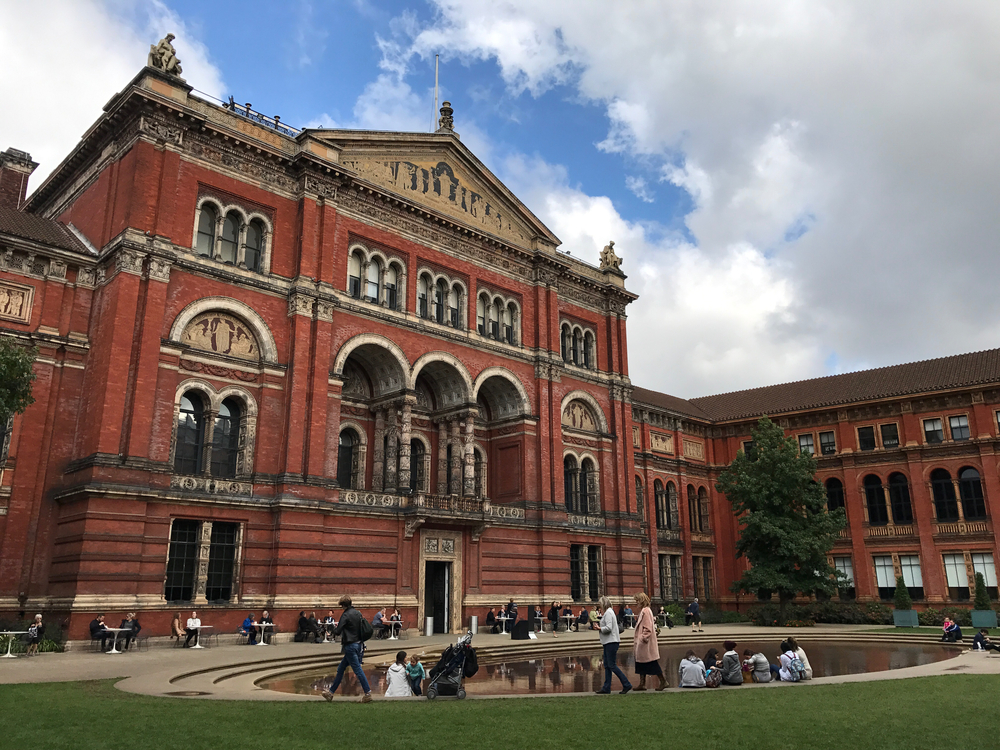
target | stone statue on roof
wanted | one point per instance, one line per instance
(610, 261)
(163, 56)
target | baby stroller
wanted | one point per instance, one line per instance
(457, 662)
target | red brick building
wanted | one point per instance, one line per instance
(276, 366)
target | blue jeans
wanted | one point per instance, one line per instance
(611, 665)
(415, 685)
(352, 656)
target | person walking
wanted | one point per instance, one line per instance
(694, 615)
(351, 646)
(647, 650)
(36, 631)
(610, 639)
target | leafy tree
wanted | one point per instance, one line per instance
(901, 599)
(786, 531)
(16, 377)
(982, 599)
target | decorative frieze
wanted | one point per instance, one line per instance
(16, 301)
(211, 486)
(370, 499)
(595, 522)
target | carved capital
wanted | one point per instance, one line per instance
(161, 131)
(57, 269)
(129, 261)
(159, 269)
(300, 304)
(324, 310)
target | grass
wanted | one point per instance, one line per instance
(911, 714)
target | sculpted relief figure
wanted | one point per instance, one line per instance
(163, 56)
(222, 334)
(609, 259)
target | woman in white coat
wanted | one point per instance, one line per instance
(398, 685)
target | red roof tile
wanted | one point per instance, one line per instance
(38, 229)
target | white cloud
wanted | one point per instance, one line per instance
(842, 160)
(639, 188)
(64, 59)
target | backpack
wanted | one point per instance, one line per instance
(795, 669)
(32, 631)
(713, 678)
(365, 629)
(471, 665)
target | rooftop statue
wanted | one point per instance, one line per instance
(163, 56)
(610, 261)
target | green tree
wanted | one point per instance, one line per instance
(16, 377)
(786, 531)
(901, 598)
(982, 598)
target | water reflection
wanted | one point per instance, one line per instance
(584, 672)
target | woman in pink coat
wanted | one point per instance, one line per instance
(647, 650)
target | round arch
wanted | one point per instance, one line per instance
(602, 421)
(358, 429)
(503, 372)
(364, 339)
(265, 340)
(446, 358)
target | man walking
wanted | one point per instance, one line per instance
(610, 640)
(349, 630)
(694, 614)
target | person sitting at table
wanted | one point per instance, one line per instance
(192, 629)
(595, 619)
(491, 621)
(627, 616)
(265, 632)
(666, 618)
(35, 632)
(539, 615)
(583, 619)
(249, 629)
(553, 617)
(329, 625)
(378, 623)
(99, 631)
(395, 622)
(176, 629)
(130, 627)
(304, 629)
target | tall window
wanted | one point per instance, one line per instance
(971, 491)
(933, 432)
(866, 438)
(660, 496)
(588, 500)
(958, 581)
(890, 435)
(673, 512)
(834, 494)
(190, 450)
(827, 443)
(417, 466)
(982, 562)
(845, 566)
(221, 562)
(225, 439)
(875, 500)
(254, 247)
(577, 343)
(481, 315)
(704, 517)
(440, 295)
(508, 325)
(594, 571)
(207, 222)
(347, 457)
(354, 276)
(899, 499)
(423, 288)
(230, 237)
(675, 577)
(391, 292)
(806, 444)
(588, 351)
(576, 563)
(453, 314)
(571, 484)
(909, 566)
(372, 280)
(959, 426)
(182, 561)
(640, 500)
(885, 577)
(494, 321)
(945, 504)
(567, 336)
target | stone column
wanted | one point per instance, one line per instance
(442, 473)
(455, 477)
(404, 447)
(204, 548)
(206, 450)
(378, 456)
(584, 572)
(392, 452)
(469, 475)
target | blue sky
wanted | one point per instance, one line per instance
(797, 188)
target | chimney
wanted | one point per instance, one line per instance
(15, 169)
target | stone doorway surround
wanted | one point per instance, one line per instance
(446, 546)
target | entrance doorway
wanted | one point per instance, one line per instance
(437, 593)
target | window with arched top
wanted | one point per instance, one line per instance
(834, 494)
(590, 501)
(565, 341)
(875, 501)
(354, 275)
(494, 332)
(207, 224)
(508, 324)
(390, 286)
(588, 350)
(481, 305)
(230, 240)
(660, 498)
(226, 438)
(418, 474)
(970, 488)
(704, 511)
(423, 290)
(440, 294)
(454, 319)
(899, 499)
(692, 508)
(348, 465)
(372, 277)
(189, 453)
(254, 248)
(576, 346)
(673, 511)
(571, 484)
(945, 503)
(640, 500)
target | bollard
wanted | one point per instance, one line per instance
(474, 624)
(429, 626)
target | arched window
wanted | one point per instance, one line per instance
(571, 477)
(207, 222)
(189, 453)
(453, 309)
(479, 471)
(254, 248)
(508, 325)
(971, 490)
(481, 303)
(945, 504)
(391, 280)
(226, 439)
(834, 494)
(417, 483)
(704, 511)
(693, 508)
(588, 350)
(588, 487)
(660, 498)
(494, 321)
(354, 275)
(230, 237)
(372, 279)
(423, 289)
(347, 459)
(673, 512)
(566, 337)
(440, 295)
(875, 500)
(899, 499)
(577, 343)
(640, 499)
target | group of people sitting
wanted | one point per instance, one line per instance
(99, 631)
(257, 631)
(504, 619)
(321, 631)
(951, 632)
(729, 669)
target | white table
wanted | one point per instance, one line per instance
(197, 638)
(570, 619)
(630, 621)
(114, 642)
(503, 625)
(10, 642)
(263, 625)
(393, 625)
(539, 623)
(326, 632)
(663, 617)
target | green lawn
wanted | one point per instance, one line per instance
(954, 711)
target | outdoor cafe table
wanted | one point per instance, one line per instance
(197, 638)
(663, 616)
(261, 625)
(394, 625)
(503, 625)
(114, 642)
(569, 621)
(631, 621)
(10, 642)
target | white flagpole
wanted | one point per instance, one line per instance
(435, 114)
